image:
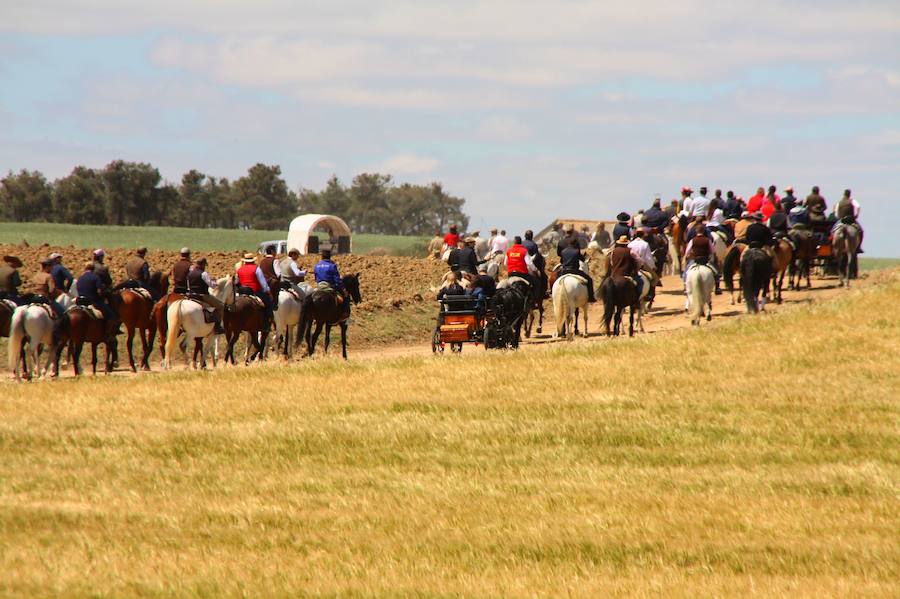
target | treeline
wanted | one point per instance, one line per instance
(134, 193)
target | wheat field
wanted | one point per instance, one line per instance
(761, 456)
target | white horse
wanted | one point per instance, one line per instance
(643, 301)
(569, 293)
(32, 322)
(844, 247)
(494, 262)
(699, 284)
(188, 315)
(287, 317)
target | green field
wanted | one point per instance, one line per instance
(173, 238)
(869, 264)
(760, 457)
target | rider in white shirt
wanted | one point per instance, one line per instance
(700, 204)
(640, 249)
(500, 244)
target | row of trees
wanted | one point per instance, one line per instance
(134, 193)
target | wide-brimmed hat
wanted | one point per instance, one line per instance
(248, 258)
(14, 261)
(55, 255)
(99, 253)
(687, 190)
(789, 188)
(622, 240)
(623, 217)
(293, 251)
(470, 240)
(185, 251)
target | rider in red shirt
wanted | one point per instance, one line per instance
(519, 262)
(451, 239)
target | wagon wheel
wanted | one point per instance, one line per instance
(436, 346)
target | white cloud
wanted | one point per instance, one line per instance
(407, 164)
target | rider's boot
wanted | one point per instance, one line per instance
(591, 298)
(218, 329)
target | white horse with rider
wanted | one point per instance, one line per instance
(32, 325)
(189, 315)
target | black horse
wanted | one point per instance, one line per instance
(510, 305)
(618, 294)
(322, 308)
(756, 271)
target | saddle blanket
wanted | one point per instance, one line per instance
(46, 308)
(91, 311)
(515, 279)
(139, 291)
(323, 286)
(253, 299)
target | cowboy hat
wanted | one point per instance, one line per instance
(99, 252)
(470, 240)
(622, 240)
(185, 251)
(13, 261)
(623, 217)
(55, 255)
(248, 258)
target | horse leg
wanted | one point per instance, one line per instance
(540, 326)
(314, 338)
(576, 321)
(75, 352)
(93, 358)
(631, 321)
(343, 326)
(585, 332)
(147, 346)
(327, 336)
(129, 342)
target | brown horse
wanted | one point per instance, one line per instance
(803, 257)
(784, 255)
(678, 244)
(136, 313)
(322, 308)
(246, 315)
(78, 327)
(730, 266)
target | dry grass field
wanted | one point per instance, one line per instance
(761, 456)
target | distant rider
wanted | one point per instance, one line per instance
(570, 264)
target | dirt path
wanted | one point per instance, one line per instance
(667, 315)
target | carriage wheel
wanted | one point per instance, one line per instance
(436, 346)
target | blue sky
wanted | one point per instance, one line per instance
(529, 110)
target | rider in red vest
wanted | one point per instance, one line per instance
(251, 276)
(519, 262)
(451, 239)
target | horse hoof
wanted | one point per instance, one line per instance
(539, 331)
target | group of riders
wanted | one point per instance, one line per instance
(640, 243)
(56, 287)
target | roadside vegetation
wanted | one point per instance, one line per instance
(761, 456)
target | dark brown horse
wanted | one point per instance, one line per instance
(136, 313)
(78, 327)
(619, 294)
(322, 308)
(803, 257)
(246, 315)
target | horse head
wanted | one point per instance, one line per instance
(351, 284)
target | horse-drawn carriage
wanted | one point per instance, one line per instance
(464, 319)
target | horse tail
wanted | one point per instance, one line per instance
(728, 268)
(560, 306)
(695, 291)
(174, 318)
(16, 337)
(608, 292)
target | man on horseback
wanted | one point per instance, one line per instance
(198, 285)
(500, 244)
(570, 264)
(250, 276)
(758, 235)
(62, 278)
(538, 259)
(101, 270)
(91, 292)
(180, 271)
(654, 218)
(291, 274)
(467, 259)
(789, 200)
(43, 288)
(451, 239)
(815, 205)
(10, 280)
(268, 265)
(520, 264)
(846, 213)
(622, 226)
(137, 272)
(327, 274)
(621, 264)
(640, 249)
(732, 206)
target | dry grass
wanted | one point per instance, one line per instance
(761, 456)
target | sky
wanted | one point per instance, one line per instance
(529, 110)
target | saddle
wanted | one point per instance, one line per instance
(571, 274)
(141, 292)
(324, 287)
(514, 279)
(253, 298)
(209, 313)
(91, 311)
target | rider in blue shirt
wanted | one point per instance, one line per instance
(62, 278)
(326, 271)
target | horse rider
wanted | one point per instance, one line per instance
(770, 203)
(740, 228)
(101, 270)
(789, 200)
(484, 286)
(758, 235)
(623, 226)
(291, 274)
(716, 221)
(137, 271)
(566, 239)
(732, 206)
(700, 251)
(482, 249)
(91, 289)
(641, 251)
(520, 264)
(846, 212)
(755, 203)
(180, 271)
(570, 264)
(269, 267)
(584, 236)
(655, 218)
(451, 239)
(435, 246)
(601, 236)
(500, 244)
(250, 276)
(778, 222)
(198, 285)
(10, 280)
(327, 273)
(697, 224)
(467, 258)
(537, 258)
(43, 288)
(621, 264)
(815, 205)
(62, 278)
(700, 204)
(551, 239)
